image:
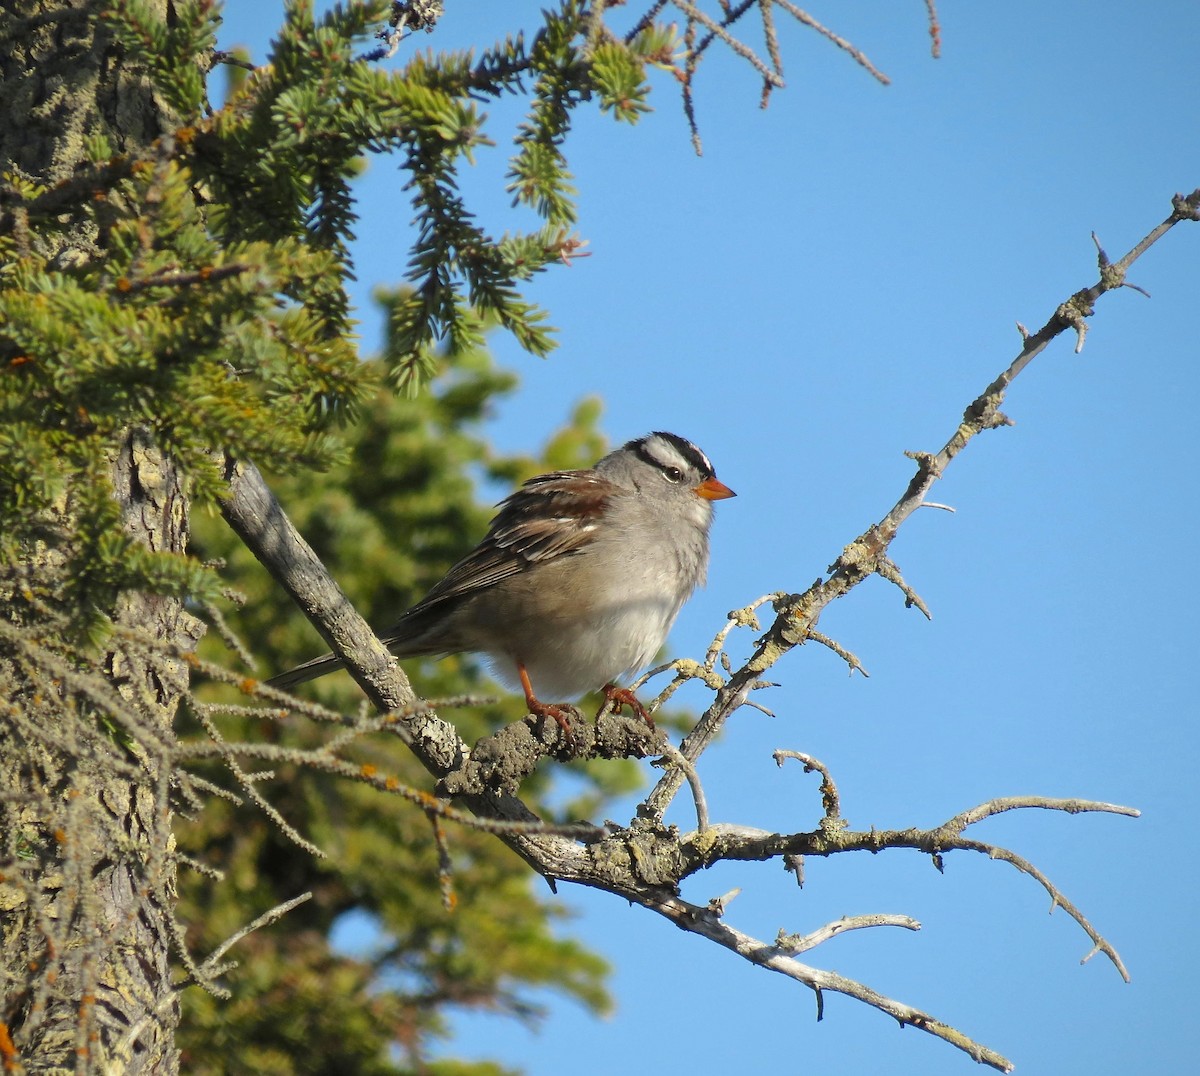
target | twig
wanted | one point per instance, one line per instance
(718, 30)
(856, 54)
(445, 865)
(227, 635)
(1057, 899)
(725, 843)
(886, 568)
(697, 921)
(686, 669)
(123, 1050)
(935, 30)
(323, 760)
(228, 753)
(1014, 803)
(829, 793)
(799, 943)
(646, 20)
(772, 37)
(671, 752)
(266, 919)
(848, 657)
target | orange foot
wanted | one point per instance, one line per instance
(544, 709)
(622, 696)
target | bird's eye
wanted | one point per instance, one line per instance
(674, 474)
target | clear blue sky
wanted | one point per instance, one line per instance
(825, 288)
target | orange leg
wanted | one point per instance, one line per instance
(542, 709)
(622, 696)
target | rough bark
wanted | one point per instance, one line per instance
(89, 879)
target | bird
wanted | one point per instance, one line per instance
(578, 580)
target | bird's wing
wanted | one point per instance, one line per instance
(552, 515)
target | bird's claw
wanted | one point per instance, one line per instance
(560, 714)
(622, 696)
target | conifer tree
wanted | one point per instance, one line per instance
(173, 302)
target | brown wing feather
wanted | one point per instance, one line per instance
(551, 515)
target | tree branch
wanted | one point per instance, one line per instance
(718, 844)
(645, 861)
(777, 958)
(259, 520)
(797, 614)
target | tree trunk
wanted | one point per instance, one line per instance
(86, 871)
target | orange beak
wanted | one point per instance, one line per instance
(712, 490)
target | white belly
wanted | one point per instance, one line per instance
(572, 660)
(579, 637)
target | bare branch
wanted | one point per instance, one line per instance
(772, 39)
(699, 921)
(1012, 803)
(719, 31)
(228, 752)
(848, 657)
(799, 943)
(856, 54)
(203, 974)
(671, 753)
(722, 844)
(829, 793)
(798, 613)
(686, 669)
(266, 919)
(1057, 899)
(885, 568)
(935, 30)
(695, 45)
(322, 759)
(445, 866)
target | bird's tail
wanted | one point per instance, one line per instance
(310, 670)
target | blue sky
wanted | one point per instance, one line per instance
(828, 286)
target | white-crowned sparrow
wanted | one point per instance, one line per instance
(579, 577)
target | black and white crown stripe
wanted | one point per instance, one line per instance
(666, 450)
